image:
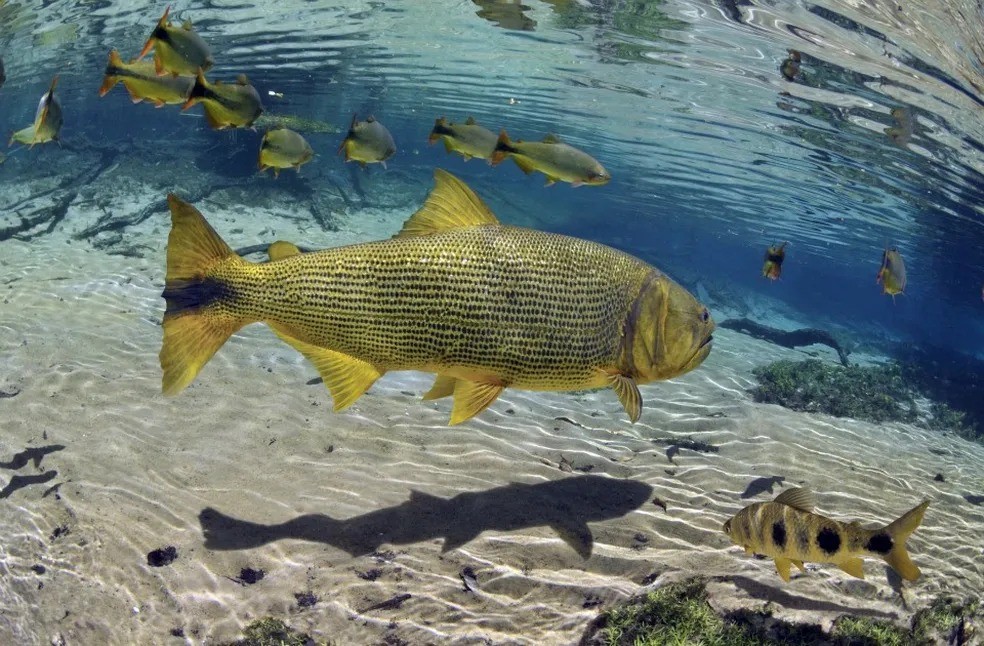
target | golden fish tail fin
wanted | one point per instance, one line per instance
(502, 148)
(194, 328)
(161, 24)
(112, 67)
(198, 91)
(889, 543)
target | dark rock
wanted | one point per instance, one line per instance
(939, 478)
(38, 569)
(249, 576)
(162, 556)
(305, 599)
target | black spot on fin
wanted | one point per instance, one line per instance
(880, 543)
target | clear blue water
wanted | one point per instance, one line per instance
(714, 155)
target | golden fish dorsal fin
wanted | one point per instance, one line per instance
(470, 121)
(551, 139)
(798, 497)
(282, 249)
(450, 205)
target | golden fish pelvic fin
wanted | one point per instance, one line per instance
(628, 393)
(194, 329)
(890, 543)
(472, 397)
(450, 205)
(782, 567)
(346, 377)
(443, 387)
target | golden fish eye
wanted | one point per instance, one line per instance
(705, 315)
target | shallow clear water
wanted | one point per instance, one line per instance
(714, 156)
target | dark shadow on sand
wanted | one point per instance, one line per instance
(19, 482)
(34, 454)
(761, 485)
(566, 506)
(777, 594)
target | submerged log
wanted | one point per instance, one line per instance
(787, 339)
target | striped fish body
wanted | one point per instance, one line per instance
(484, 306)
(177, 49)
(787, 530)
(545, 319)
(469, 138)
(227, 105)
(142, 83)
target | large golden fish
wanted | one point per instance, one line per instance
(788, 530)
(483, 305)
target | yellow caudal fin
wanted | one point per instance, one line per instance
(194, 329)
(347, 378)
(889, 543)
(450, 205)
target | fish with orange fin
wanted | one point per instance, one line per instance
(227, 105)
(468, 138)
(47, 121)
(892, 273)
(790, 532)
(367, 142)
(774, 256)
(143, 84)
(560, 162)
(177, 50)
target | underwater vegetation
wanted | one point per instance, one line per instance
(882, 393)
(679, 613)
(272, 632)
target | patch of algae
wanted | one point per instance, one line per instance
(679, 614)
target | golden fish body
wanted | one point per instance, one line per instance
(227, 105)
(774, 256)
(143, 84)
(177, 50)
(284, 148)
(482, 305)
(367, 142)
(552, 157)
(469, 139)
(788, 530)
(891, 275)
(47, 124)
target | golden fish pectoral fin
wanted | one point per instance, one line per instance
(854, 567)
(472, 397)
(346, 377)
(799, 564)
(628, 394)
(749, 550)
(443, 387)
(450, 205)
(782, 567)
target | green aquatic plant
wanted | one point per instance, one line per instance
(862, 631)
(871, 393)
(948, 621)
(272, 632)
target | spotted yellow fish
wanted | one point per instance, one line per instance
(367, 142)
(469, 139)
(484, 306)
(891, 275)
(47, 124)
(552, 157)
(227, 105)
(774, 256)
(284, 148)
(143, 83)
(788, 530)
(177, 50)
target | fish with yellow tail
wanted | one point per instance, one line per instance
(891, 275)
(47, 124)
(367, 142)
(482, 305)
(177, 50)
(283, 148)
(790, 532)
(774, 256)
(468, 138)
(143, 84)
(227, 105)
(552, 157)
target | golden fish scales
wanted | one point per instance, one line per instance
(484, 306)
(446, 303)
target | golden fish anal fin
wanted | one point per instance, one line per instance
(628, 394)
(471, 398)
(443, 387)
(799, 564)
(282, 249)
(799, 498)
(450, 205)
(524, 164)
(782, 567)
(347, 378)
(214, 122)
(854, 567)
(448, 146)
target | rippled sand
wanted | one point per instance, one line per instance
(547, 497)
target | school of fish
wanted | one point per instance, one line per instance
(481, 305)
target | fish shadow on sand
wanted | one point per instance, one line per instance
(776, 594)
(35, 454)
(19, 482)
(974, 500)
(566, 506)
(761, 485)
